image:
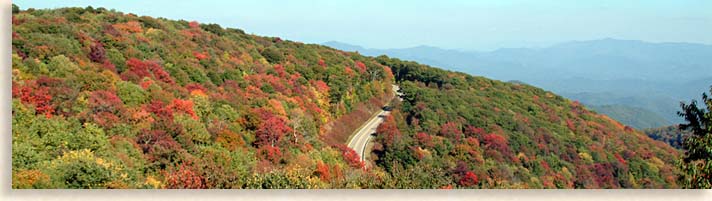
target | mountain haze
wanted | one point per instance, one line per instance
(606, 71)
(638, 118)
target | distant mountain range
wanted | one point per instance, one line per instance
(637, 117)
(650, 76)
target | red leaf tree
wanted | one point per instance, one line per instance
(279, 69)
(200, 55)
(497, 142)
(463, 175)
(185, 177)
(139, 69)
(604, 175)
(361, 67)
(105, 108)
(36, 95)
(185, 106)
(271, 131)
(471, 131)
(322, 170)
(159, 146)
(351, 157)
(270, 153)
(451, 130)
(389, 131)
(105, 101)
(159, 108)
(424, 139)
(468, 179)
(161, 74)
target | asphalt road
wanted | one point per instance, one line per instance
(360, 140)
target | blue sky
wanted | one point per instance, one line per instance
(462, 24)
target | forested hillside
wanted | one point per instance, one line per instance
(482, 133)
(104, 99)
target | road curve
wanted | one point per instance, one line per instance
(361, 137)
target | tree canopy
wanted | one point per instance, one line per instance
(696, 163)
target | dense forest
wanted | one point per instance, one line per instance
(482, 133)
(104, 99)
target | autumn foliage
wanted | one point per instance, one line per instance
(185, 177)
(35, 95)
(389, 131)
(127, 101)
(270, 153)
(451, 130)
(496, 142)
(183, 106)
(139, 69)
(351, 157)
(468, 179)
(272, 130)
(157, 103)
(323, 171)
(491, 134)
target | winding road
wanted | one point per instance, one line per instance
(360, 139)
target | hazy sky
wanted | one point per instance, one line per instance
(462, 24)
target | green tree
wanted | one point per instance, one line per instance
(131, 94)
(273, 55)
(193, 129)
(15, 9)
(696, 164)
(60, 66)
(83, 169)
(116, 58)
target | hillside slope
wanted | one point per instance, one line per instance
(482, 133)
(103, 99)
